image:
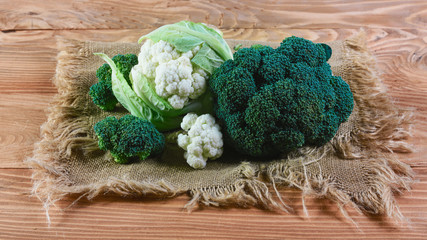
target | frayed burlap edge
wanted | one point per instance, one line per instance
(380, 131)
(65, 130)
(382, 127)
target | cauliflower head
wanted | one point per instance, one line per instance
(202, 141)
(174, 77)
(170, 79)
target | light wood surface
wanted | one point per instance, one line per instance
(397, 34)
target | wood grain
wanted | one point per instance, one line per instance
(253, 14)
(397, 36)
(111, 217)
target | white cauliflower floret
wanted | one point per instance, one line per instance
(175, 77)
(199, 83)
(203, 140)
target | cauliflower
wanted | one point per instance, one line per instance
(203, 140)
(170, 78)
(175, 77)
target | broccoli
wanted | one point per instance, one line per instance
(128, 137)
(102, 92)
(273, 101)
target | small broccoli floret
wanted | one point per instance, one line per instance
(128, 137)
(102, 92)
(248, 58)
(102, 95)
(103, 73)
(303, 50)
(277, 100)
(124, 64)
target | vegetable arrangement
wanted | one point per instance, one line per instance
(264, 101)
(169, 80)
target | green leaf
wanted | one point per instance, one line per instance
(328, 51)
(145, 90)
(237, 47)
(123, 91)
(133, 103)
(207, 59)
(186, 35)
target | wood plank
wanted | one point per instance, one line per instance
(22, 217)
(114, 14)
(21, 117)
(30, 55)
(28, 58)
(397, 33)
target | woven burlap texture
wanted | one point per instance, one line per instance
(355, 168)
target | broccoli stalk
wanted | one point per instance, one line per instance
(102, 92)
(273, 101)
(128, 137)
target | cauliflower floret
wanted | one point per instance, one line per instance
(199, 83)
(152, 54)
(175, 77)
(203, 140)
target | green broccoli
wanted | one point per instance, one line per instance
(128, 137)
(273, 101)
(102, 92)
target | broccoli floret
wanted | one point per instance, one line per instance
(102, 91)
(128, 137)
(103, 73)
(248, 58)
(102, 95)
(277, 100)
(124, 64)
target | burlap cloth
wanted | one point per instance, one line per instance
(355, 168)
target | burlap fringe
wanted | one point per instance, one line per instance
(382, 127)
(67, 129)
(248, 191)
(388, 176)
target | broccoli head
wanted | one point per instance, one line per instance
(128, 137)
(273, 101)
(102, 91)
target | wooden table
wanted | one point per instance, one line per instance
(397, 33)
